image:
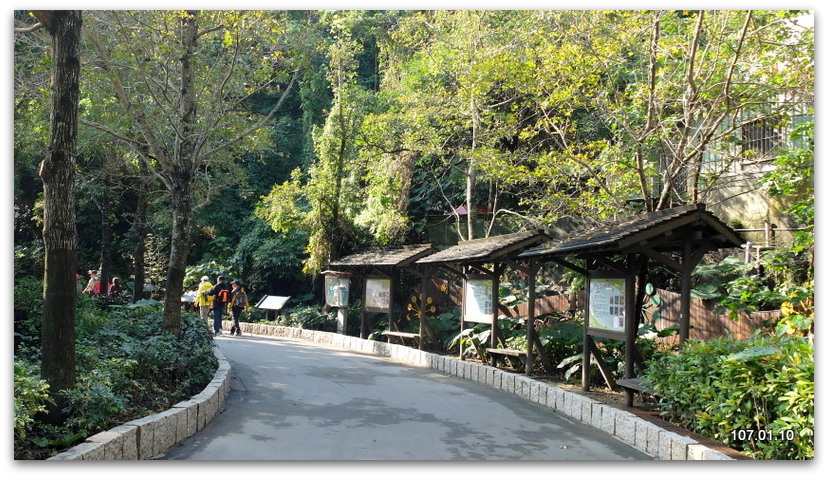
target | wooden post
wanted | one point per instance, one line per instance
(530, 318)
(630, 326)
(423, 298)
(586, 350)
(687, 265)
(495, 300)
(363, 317)
(465, 278)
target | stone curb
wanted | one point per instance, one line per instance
(649, 437)
(144, 438)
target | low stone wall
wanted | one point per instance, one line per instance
(144, 438)
(656, 441)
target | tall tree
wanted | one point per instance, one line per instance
(59, 234)
(189, 78)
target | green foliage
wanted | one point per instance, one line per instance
(310, 317)
(272, 261)
(31, 394)
(736, 286)
(764, 386)
(127, 368)
(211, 269)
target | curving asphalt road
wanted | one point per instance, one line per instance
(293, 400)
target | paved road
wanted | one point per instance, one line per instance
(292, 400)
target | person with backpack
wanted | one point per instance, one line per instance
(238, 304)
(203, 301)
(221, 296)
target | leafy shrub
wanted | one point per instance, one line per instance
(755, 395)
(127, 368)
(30, 397)
(309, 317)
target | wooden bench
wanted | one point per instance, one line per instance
(521, 354)
(402, 336)
(510, 352)
(632, 385)
(638, 384)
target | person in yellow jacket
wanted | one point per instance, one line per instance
(202, 300)
(238, 303)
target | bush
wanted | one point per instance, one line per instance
(30, 397)
(309, 317)
(127, 369)
(754, 395)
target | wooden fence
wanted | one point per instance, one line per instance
(705, 323)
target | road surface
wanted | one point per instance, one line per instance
(294, 400)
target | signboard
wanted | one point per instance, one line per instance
(272, 302)
(478, 301)
(336, 290)
(378, 295)
(606, 304)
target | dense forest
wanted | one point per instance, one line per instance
(264, 144)
(311, 134)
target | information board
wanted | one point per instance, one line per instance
(478, 301)
(378, 295)
(272, 302)
(336, 290)
(606, 304)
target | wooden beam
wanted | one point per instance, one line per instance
(547, 364)
(602, 366)
(482, 269)
(569, 265)
(663, 259)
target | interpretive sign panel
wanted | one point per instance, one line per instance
(336, 290)
(478, 301)
(606, 304)
(378, 295)
(272, 302)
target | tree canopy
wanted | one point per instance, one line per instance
(266, 143)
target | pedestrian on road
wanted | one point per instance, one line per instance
(204, 301)
(239, 303)
(221, 296)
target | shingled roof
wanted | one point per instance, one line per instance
(486, 249)
(388, 256)
(663, 230)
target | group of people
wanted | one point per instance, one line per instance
(217, 298)
(95, 287)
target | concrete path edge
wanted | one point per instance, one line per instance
(147, 437)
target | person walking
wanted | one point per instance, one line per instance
(221, 296)
(238, 304)
(204, 301)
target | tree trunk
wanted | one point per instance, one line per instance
(181, 177)
(179, 248)
(105, 274)
(59, 235)
(140, 233)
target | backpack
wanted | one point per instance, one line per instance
(223, 295)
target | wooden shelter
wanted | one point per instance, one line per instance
(379, 270)
(615, 256)
(480, 263)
